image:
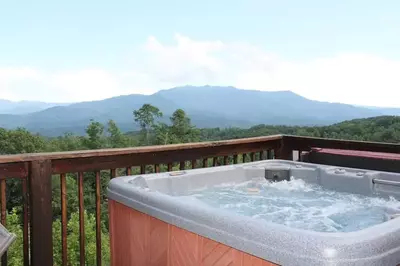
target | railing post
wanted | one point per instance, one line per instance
(41, 213)
(284, 151)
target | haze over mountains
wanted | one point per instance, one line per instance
(25, 107)
(207, 106)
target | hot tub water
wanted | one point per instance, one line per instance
(298, 204)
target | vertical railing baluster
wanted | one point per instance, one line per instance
(269, 154)
(128, 170)
(25, 221)
(261, 155)
(143, 169)
(113, 173)
(98, 219)
(81, 219)
(226, 160)
(205, 162)
(252, 156)
(182, 165)
(64, 222)
(215, 161)
(235, 159)
(284, 152)
(169, 167)
(194, 162)
(156, 168)
(244, 157)
(3, 214)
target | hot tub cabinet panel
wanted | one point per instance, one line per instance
(152, 224)
(142, 240)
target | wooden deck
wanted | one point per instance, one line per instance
(36, 170)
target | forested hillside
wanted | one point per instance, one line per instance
(179, 129)
(381, 128)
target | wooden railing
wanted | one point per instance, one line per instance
(36, 171)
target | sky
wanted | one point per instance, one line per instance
(66, 51)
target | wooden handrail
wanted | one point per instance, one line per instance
(296, 142)
(92, 160)
(305, 143)
(26, 157)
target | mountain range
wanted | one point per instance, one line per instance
(207, 106)
(25, 107)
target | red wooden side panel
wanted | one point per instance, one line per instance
(214, 253)
(184, 247)
(159, 239)
(140, 240)
(137, 225)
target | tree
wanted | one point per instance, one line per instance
(67, 142)
(94, 133)
(20, 141)
(162, 135)
(116, 138)
(181, 129)
(145, 117)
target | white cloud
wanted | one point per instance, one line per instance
(346, 77)
(63, 86)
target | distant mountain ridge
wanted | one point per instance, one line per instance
(207, 106)
(25, 107)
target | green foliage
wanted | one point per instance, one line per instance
(162, 134)
(72, 195)
(67, 142)
(145, 117)
(73, 241)
(181, 129)
(95, 138)
(20, 141)
(381, 129)
(116, 139)
(15, 252)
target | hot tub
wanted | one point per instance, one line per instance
(187, 217)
